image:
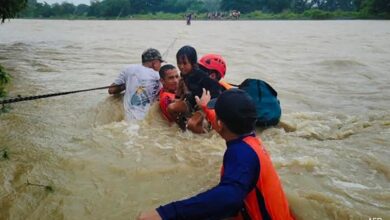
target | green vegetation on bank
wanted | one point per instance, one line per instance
(312, 14)
(10, 8)
(4, 79)
(202, 9)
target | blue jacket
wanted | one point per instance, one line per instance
(241, 172)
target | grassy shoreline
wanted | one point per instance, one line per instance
(4, 80)
(312, 14)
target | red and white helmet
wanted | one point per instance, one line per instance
(214, 62)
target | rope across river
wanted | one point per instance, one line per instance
(27, 98)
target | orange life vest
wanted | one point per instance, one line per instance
(165, 99)
(225, 85)
(267, 200)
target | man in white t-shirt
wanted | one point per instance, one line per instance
(141, 84)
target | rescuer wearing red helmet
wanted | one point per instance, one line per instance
(215, 66)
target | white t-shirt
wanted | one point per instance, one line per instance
(142, 87)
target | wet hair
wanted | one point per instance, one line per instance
(164, 69)
(189, 52)
(244, 126)
(237, 110)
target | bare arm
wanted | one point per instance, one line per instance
(182, 90)
(116, 89)
(150, 215)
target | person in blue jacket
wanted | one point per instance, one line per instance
(249, 187)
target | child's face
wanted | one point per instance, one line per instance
(184, 65)
(171, 80)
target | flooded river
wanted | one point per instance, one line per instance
(332, 149)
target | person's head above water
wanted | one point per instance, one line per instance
(236, 109)
(169, 77)
(150, 55)
(152, 58)
(187, 59)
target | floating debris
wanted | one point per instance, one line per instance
(47, 188)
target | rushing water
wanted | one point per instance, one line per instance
(331, 149)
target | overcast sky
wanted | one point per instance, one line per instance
(75, 2)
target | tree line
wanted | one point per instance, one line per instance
(130, 8)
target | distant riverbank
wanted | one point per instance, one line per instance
(312, 14)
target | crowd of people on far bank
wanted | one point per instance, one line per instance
(198, 99)
(221, 15)
(217, 15)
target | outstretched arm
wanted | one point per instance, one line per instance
(241, 170)
(116, 89)
(119, 83)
